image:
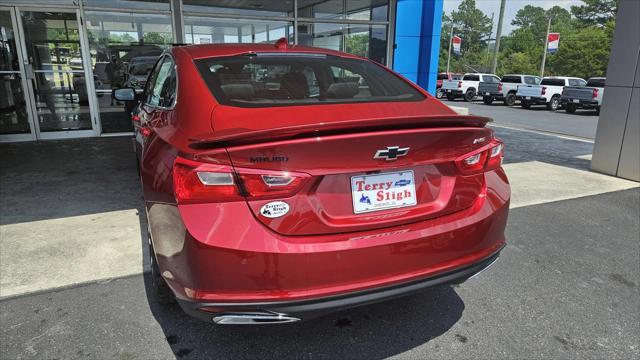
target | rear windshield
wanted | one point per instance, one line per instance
(265, 80)
(552, 82)
(443, 77)
(511, 79)
(471, 77)
(595, 83)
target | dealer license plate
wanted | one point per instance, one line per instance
(528, 98)
(577, 101)
(487, 94)
(383, 191)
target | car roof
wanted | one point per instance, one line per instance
(215, 50)
(562, 77)
(479, 74)
(520, 75)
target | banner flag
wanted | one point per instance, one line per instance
(554, 40)
(457, 41)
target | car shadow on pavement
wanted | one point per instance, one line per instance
(373, 331)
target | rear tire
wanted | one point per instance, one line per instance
(525, 104)
(510, 100)
(570, 108)
(469, 95)
(598, 111)
(487, 100)
(450, 97)
(554, 104)
(163, 293)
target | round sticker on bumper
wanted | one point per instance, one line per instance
(274, 209)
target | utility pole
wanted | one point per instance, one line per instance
(496, 48)
(546, 44)
(450, 40)
(489, 41)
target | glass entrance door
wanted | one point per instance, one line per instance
(15, 123)
(54, 63)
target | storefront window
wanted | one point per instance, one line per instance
(157, 5)
(359, 39)
(206, 30)
(123, 47)
(367, 10)
(270, 8)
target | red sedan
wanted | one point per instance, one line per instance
(285, 182)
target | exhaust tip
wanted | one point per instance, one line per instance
(253, 318)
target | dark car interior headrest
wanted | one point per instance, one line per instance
(342, 90)
(238, 91)
(295, 84)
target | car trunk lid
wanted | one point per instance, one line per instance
(340, 160)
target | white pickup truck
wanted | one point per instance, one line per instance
(587, 97)
(506, 89)
(466, 88)
(547, 93)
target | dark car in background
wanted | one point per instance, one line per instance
(584, 97)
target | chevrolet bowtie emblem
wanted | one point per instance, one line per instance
(391, 153)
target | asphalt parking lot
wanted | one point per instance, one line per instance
(582, 124)
(566, 286)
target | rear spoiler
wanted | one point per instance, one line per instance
(243, 136)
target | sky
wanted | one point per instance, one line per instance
(510, 9)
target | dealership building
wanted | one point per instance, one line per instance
(51, 47)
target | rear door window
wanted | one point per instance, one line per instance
(552, 82)
(595, 83)
(490, 79)
(510, 79)
(531, 80)
(163, 90)
(574, 82)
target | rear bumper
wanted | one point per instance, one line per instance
(495, 95)
(221, 256)
(581, 102)
(532, 99)
(309, 309)
(456, 93)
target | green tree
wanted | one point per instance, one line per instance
(358, 44)
(596, 12)
(585, 53)
(157, 38)
(471, 24)
(474, 27)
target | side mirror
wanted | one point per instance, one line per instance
(126, 94)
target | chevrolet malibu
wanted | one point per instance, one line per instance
(285, 182)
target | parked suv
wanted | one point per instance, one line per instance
(445, 76)
(281, 183)
(467, 87)
(585, 97)
(506, 89)
(547, 93)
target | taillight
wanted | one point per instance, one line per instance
(259, 184)
(135, 118)
(486, 158)
(197, 182)
(499, 87)
(595, 93)
(544, 90)
(459, 84)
